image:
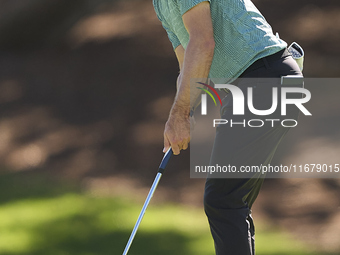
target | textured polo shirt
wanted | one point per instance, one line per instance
(241, 33)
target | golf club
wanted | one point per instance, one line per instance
(161, 169)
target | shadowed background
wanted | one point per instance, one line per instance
(85, 89)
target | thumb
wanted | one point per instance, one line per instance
(166, 144)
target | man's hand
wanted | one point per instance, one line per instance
(177, 133)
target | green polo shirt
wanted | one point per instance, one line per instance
(241, 33)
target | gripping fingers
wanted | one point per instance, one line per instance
(185, 145)
(178, 146)
(176, 135)
(175, 146)
(176, 150)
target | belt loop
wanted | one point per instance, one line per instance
(266, 63)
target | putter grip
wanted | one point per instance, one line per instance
(165, 161)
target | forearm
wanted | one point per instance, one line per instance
(197, 61)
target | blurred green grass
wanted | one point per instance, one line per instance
(42, 216)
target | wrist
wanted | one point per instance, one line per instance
(180, 111)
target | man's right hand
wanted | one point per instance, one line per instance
(177, 133)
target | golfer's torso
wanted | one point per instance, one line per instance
(241, 33)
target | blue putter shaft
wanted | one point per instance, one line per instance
(160, 172)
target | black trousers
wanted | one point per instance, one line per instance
(228, 201)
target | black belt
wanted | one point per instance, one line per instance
(262, 62)
(265, 60)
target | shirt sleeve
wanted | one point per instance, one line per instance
(172, 37)
(186, 5)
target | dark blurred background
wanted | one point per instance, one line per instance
(86, 86)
